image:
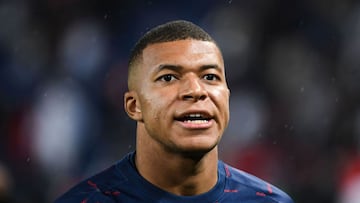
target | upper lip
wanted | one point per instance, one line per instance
(204, 114)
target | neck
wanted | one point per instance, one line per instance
(178, 173)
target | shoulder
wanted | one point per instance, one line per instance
(102, 187)
(254, 186)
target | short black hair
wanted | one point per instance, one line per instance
(168, 32)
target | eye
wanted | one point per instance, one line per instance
(167, 78)
(211, 77)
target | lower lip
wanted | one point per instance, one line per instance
(193, 125)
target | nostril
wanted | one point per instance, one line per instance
(194, 97)
(187, 97)
(202, 97)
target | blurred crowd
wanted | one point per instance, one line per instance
(293, 68)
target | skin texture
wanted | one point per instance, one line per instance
(174, 79)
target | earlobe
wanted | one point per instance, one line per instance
(132, 106)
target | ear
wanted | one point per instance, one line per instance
(132, 106)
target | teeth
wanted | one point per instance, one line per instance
(196, 121)
(194, 115)
(195, 118)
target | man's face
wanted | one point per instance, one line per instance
(183, 95)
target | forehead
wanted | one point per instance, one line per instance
(182, 52)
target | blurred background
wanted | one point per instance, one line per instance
(293, 68)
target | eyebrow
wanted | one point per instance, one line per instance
(178, 68)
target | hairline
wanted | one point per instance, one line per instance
(176, 30)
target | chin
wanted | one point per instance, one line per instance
(198, 144)
(196, 150)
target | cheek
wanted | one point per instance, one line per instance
(221, 98)
(153, 106)
(221, 95)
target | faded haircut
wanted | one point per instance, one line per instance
(168, 32)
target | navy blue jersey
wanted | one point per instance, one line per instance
(122, 183)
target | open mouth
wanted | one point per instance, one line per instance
(195, 118)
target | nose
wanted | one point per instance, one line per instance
(192, 89)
